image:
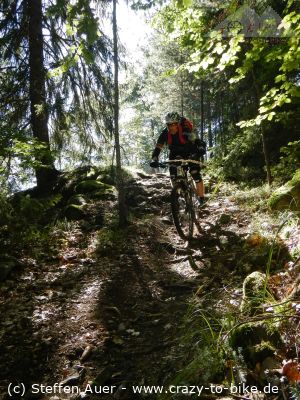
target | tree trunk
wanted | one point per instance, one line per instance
(37, 93)
(263, 134)
(220, 121)
(202, 111)
(153, 133)
(119, 176)
(266, 155)
(210, 136)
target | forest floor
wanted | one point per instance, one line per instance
(109, 308)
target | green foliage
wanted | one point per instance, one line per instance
(289, 162)
(91, 185)
(109, 239)
(34, 210)
(81, 24)
(23, 222)
(244, 159)
(6, 211)
(249, 83)
(288, 195)
(78, 86)
(201, 346)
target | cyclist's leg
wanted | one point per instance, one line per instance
(196, 175)
(172, 169)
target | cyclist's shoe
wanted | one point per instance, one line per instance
(154, 164)
(201, 201)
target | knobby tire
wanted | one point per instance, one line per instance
(183, 211)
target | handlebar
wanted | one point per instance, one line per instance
(181, 161)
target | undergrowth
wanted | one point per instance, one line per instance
(220, 341)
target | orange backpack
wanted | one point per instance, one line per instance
(184, 125)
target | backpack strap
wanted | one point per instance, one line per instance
(182, 139)
(186, 124)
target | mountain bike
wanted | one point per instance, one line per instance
(184, 201)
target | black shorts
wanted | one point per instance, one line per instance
(194, 169)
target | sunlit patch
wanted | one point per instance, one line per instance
(184, 269)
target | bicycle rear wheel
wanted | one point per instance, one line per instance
(196, 210)
(182, 211)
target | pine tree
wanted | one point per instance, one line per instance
(55, 67)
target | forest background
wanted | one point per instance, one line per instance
(241, 89)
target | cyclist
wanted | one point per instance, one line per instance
(178, 135)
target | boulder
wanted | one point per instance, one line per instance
(74, 212)
(77, 199)
(92, 185)
(287, 196)
(257, 341)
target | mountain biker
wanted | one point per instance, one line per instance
(178, 135)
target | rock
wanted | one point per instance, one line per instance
(105, 194)
(166, 246)
(253, 292)
(77, 199)
(159, 185)
(71, 380)
(269, 364)
(144, 176)
(224, 219)
(167, 221)
(257, 341)
(141, 198)
(92, 185)
(74, 212)
(87, 353)
(287, 196)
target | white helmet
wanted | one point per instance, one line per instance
(172, 117)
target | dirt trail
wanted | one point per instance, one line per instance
(113, 318)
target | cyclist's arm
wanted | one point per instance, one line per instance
(162, 140)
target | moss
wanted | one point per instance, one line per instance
(104, 193)
(253, 292)
(92, 185)
(74, 212)
(257, 341)
(263, 350)
(224, 219)
(110, 239)
(287, 196)
(77, 199)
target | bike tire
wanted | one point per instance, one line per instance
(196, 211)
(182, 211)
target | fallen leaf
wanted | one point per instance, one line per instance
(255, 240)
(291, 370)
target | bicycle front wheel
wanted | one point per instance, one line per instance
(182, 211)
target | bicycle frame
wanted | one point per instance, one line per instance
(183, 197)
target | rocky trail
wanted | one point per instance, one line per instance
(108, 310)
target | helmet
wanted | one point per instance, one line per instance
(172, 117)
